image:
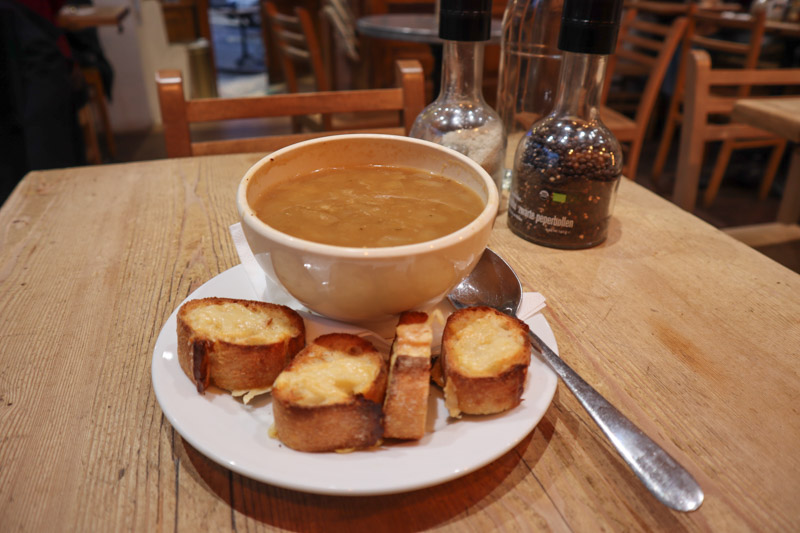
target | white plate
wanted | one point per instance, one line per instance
(236, 435)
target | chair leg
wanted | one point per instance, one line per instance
(86, 121)
(98, 96)
(718, 173)
(691, 146)
(665, 144)
(104, 118)
(772, 169)
(633, 159)
(789, 208)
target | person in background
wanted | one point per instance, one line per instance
(41, 91)
(87, 51)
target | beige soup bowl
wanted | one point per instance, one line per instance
(364, 285)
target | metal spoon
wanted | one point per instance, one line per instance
(493, 283)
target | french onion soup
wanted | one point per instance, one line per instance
(368, 206)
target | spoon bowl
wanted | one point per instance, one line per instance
(494, 283)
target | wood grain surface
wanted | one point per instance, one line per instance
(693, 335)
(778, 115)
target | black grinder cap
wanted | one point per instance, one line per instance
(465, 20)
(590, 26)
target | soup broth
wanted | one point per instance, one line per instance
(369, 206)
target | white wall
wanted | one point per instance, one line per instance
(136, 54)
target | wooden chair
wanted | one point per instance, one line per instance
(740, 55)
(294, 36)
(702, 102)
(644, 50)
(177, 113)
(295, 39)
(297, 48)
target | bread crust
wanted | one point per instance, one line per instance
(233, 366)
(354, 422)
(327, 428)
(406, 406)
(484, 394)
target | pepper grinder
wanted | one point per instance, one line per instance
(567, 167)
(459, 118)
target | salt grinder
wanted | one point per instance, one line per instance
(460, 118)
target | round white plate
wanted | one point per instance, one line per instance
(237, 435)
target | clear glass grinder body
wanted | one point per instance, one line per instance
(568, 166)
(459, 118)
(529, 65)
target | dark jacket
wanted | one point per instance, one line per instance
(40, 94)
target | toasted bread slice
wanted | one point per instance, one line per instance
(237, 345)
(485, 358)
(329, 398)
(405, 409)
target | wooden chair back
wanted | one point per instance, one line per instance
(739, 54)
(295, 39)
(699, 36)
(406, 100)
(703, 102)
(644, 50)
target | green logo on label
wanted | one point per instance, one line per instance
(559, 197)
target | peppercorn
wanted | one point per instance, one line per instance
(564, 182)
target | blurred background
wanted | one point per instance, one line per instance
(224, 49)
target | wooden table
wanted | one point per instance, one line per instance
(780, 116)
(422, 28)
(695, 336)
(411, 27)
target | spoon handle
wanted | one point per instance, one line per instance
(669, 482)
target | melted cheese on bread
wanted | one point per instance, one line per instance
(486, 346)
(328, 378)
(236, 323)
